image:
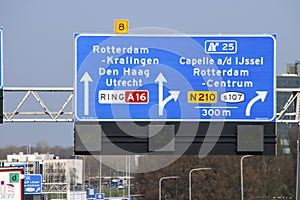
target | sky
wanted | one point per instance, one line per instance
(38, 40)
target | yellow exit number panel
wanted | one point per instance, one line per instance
(121, 26)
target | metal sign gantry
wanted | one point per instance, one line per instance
(290, 113)
(65, 113)
(35, 104)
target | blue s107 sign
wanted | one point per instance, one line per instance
(174, 78)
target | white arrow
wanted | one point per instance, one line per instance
(160, 79)
(162, 102)
(173, 95)
(261, 95)
(86, 79)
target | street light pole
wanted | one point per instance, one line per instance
(298, 164)
(83, 170)
(190, 179)
(83, 184)
(129, 181)
(100, 174)
(298, 138)
(242, 181)
(159, 184)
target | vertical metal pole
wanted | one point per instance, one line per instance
(83, 184)
(190, 179)
(110, 183)
(89, 173)
(126, 173)
(298, 156)
(123, 184)
(74, 175)
(159, 184)
(242, 179)
(190, 184)
(129, 176)
(100, 175)
(159, 189)
(298, 165)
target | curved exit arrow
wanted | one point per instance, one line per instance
(173, 95)
(261, 95)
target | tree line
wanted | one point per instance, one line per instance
(265, 177)
(41, 147)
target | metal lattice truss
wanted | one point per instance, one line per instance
(290, 113)
(38, 104)
(52, 188)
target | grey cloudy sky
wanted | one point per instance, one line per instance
(38, 40)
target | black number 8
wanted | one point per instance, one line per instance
(121, 27)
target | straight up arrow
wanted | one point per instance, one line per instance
(86, 79)
(161, 80)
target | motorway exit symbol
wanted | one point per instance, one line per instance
(174, 78)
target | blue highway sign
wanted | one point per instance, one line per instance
(175, 78)
(91, 193)
(1, 58)
(99, 196)
(33, 184)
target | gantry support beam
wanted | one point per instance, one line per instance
(285, 114)
(55, 188)
(43, 98)
(65, 112)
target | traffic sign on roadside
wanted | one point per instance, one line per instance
(11, 183)
(99, 196)
(33, 184)
(175, 78)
